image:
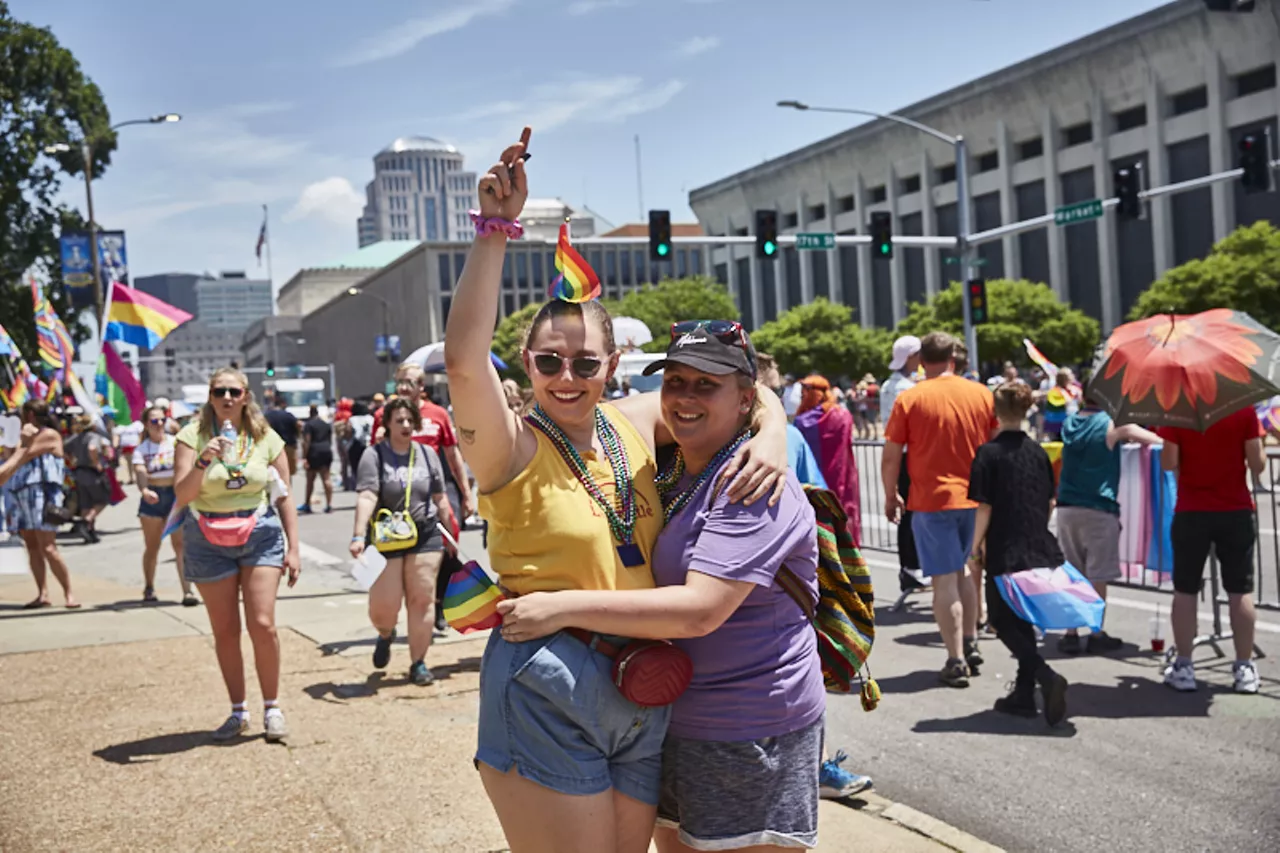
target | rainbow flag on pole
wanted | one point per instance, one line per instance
(140, 319)
(56, 347)
(16, 374)
(577, 281)
(1039, 358)
(471, 600)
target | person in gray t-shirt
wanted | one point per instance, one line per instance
(410, 575)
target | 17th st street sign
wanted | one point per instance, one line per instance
(815, 241)
(1081, 212)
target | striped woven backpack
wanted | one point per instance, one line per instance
(844, 617)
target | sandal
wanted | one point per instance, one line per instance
(190, 600)
(149, 595)
(38, 604)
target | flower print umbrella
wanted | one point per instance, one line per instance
(1186, 370)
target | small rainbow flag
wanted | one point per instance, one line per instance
(139, 318)
(471, 600)
(55, 346)
(577, 281)
(1039, 358)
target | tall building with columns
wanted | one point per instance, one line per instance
(1174, 89)
(420, 191)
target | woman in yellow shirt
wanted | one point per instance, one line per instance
(568, 762)
(234, 539)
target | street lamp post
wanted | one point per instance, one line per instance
(386, 321)
(968, 254)
(86, 152)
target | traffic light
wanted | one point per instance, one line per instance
(271, 368)
(882, 234)
(659, 235)
(977, 296)
(766, 234)
(1255, 160)
(1127, 181)
(170, 357)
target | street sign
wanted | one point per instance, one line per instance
(815, 241)
(1080, 212)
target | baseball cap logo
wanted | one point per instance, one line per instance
(691, 338)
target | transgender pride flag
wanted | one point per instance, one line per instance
(1053, 599)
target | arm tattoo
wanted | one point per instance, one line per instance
(468, 436)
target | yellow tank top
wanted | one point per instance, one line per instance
(547, 534)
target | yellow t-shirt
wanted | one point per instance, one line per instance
(215, 496)
(547, 534)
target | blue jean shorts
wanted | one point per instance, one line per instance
(207, 563)
(943, 540)
(162, 507)
(549, 708)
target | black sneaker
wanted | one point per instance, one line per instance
(420, 675)
(442, 625)
(1102, 642)
(1021, 701)
(1053, 689)
(382, 651)
(972, 656)
(1069, 644)
(955, 673)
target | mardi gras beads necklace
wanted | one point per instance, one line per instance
(668, 479)
(621, 511)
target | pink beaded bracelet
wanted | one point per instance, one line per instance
(486, 226)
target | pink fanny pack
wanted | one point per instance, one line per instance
(228, 531)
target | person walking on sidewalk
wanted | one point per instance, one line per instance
(239, 539)
(740, 764)
(944, 419)
(1012, 482)
(317, 457)
(286, 426)
(400, 475)
(128, 437)
(33, 474)
(153, 469)
(905, 364)
(1088, 508)
(571, 502)
(1215, 511)
(87, 452)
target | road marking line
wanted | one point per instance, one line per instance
(312, 554)
(1128, 603)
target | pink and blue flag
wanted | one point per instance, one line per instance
(177, 515)
(1053, 599)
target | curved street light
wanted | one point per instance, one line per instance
(386, 320)
(86, 151)
(968, 256)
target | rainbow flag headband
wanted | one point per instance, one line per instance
(577, 281)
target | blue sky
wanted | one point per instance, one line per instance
(285, 102)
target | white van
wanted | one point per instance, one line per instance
(631, 366)
(300, 395)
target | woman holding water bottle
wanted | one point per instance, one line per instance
(240, 537)
(400, 487)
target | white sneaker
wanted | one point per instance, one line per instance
(1246, 675)
(1181, 677)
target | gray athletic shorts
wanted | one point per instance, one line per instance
(724, 795)
(1090, 540)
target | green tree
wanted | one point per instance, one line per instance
(1018, 309)
(508, 341)
(672, 300)
(45, 99)
(821, 337)
(1242, 272)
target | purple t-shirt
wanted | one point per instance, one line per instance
(758, 675)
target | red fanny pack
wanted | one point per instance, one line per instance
(650, 673)
(230, 531)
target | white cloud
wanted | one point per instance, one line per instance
(586, 7)
(698, 45)
(333, 199)
(407, 35)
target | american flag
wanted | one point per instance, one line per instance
(262, 236)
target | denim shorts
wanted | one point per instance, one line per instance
(943, 540)
(162, 507)
(206, 563)
(549, 708)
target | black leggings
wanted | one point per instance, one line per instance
(1017, 635)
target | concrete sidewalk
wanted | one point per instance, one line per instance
(107, 710)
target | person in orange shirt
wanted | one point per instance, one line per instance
(944, 420)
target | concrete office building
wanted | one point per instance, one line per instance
(198, 349)
(417, 289)
(232, 301)
(542, 218)
(277, 339)
(1173, 90)
(314, 286)
(419, 191)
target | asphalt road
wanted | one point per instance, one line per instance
(1136, 768)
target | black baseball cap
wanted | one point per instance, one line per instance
(718, 347)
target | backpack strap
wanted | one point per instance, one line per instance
(795, 588)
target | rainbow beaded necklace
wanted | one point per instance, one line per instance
(670, 478)
(621, 511)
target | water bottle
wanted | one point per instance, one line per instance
(229, 452)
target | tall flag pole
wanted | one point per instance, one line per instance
(264, 241)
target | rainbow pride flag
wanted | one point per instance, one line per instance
(140, 319)
(17, 375)
(577, 281)
(471, 600)
(55, 344)
(1039, 358)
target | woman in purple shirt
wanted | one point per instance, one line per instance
(740, 762)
